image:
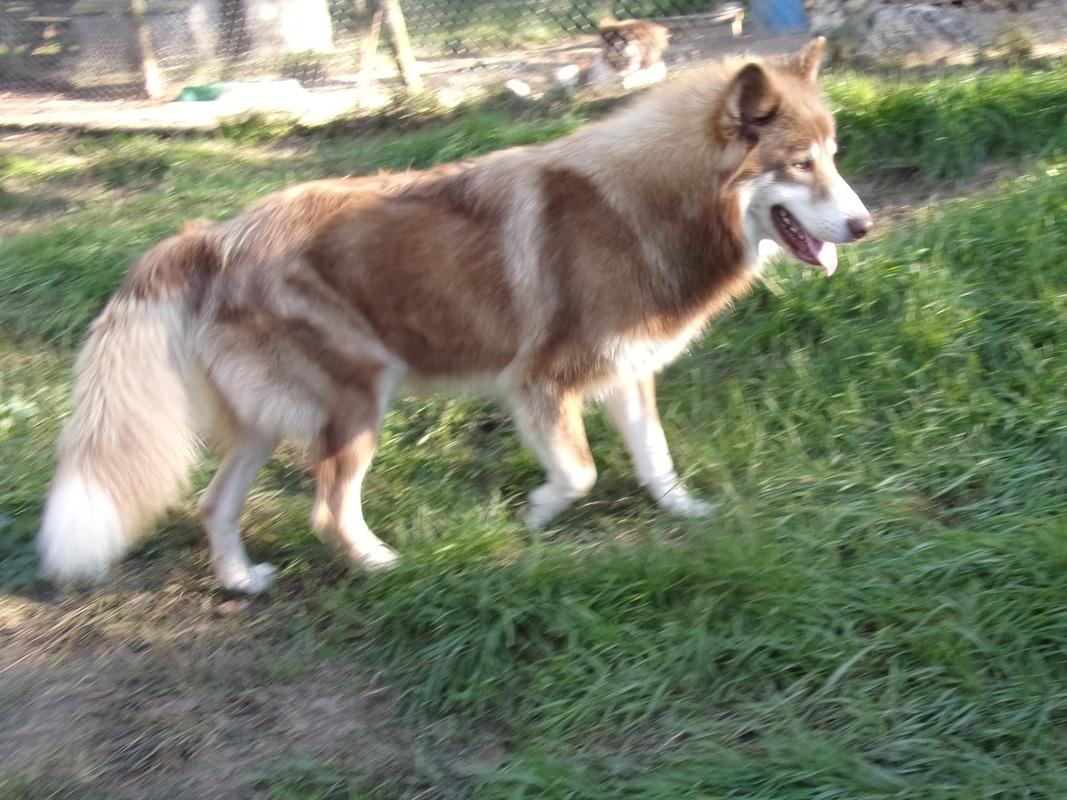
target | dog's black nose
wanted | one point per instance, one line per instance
(859, 226)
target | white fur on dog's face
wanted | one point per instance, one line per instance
(814, 193)
(826, 217)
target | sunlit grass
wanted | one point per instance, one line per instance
(951, 126)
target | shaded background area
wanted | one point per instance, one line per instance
(82, 62)
(90, 47)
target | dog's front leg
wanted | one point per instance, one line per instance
(631, 406)
(551, 424)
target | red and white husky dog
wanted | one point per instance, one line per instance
(554, 274)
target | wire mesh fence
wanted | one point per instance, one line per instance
(102, 49)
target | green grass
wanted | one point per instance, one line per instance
(875, 611)
(951, 126)
(891, 129)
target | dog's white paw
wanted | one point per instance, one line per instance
(545, 503)
(537, 516)
(251, 580)
(376, 557)
(682, 504)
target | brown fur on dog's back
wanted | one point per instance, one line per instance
(430, 280)
(427, 273)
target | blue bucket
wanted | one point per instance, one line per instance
(780, 16)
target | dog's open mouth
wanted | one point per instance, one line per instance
(803, 246)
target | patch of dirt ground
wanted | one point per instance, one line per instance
(157, 688)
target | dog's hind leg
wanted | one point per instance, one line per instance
(347, 447)
(631, 406)
(220, 510)
(552, 427)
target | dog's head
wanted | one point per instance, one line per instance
(629, 45)
(790, 188)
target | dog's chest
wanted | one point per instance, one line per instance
(634, 356)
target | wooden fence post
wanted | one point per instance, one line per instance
(153, 81)
(370, 49)
(398, 34)
(9, 40)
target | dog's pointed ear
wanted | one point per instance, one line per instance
(810, 58)
(749, 104)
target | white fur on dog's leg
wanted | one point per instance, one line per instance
(544, 505)
(631, 406)
(375, 556)
(680, 503)
(339, 506)
(362, 548)
(553, 429)
(220, 508)
(365, 550)
(252, 579)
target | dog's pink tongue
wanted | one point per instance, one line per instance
(826, 254)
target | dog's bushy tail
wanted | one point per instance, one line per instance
(126, 451)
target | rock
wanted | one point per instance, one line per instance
(925, 33)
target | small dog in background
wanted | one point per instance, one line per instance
(631, 55)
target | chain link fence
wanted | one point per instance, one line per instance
(102, 49)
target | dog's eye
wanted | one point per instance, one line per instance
(807, 165)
